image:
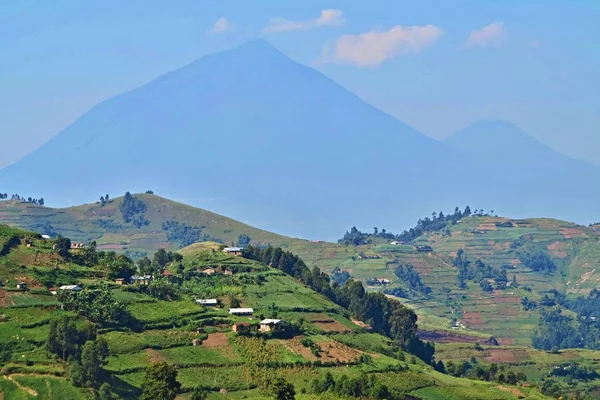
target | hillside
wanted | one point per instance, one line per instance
(574, 250)
(143, 325)
(105, 224)
(251, 134)
(506, 247)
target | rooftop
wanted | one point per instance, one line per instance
(270, 321)
(241, 311)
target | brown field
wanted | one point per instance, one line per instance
(473, 319)
(330, 351)
(331, 326)
(154, 356)
(216, 340)
(336, 351)
(557, 250)
(499, 356)
(570, 233)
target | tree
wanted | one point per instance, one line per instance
(93, 358)
(467, 211)
(41, 201)
(105, 392)
(282, 390)
(160, 382)
(64, 338)
(62, 246)
(199, 394)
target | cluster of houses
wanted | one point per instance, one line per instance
(264, 326)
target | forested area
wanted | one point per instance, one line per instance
(480, 273)
(558, 331)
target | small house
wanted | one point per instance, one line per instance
(269, 325)
(241, 327)
(52, 290)
(75, 246)
(22, 286)
(71, 288)
(167, 274)
(209, 271)
(141, 279)
(233, 251)
(207, 302)
(228, 272)
(121, 281)
(241, 311)
(46, 237)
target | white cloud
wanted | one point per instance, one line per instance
(327, 17)
(488, 36)
(222, 25)
(370, 49)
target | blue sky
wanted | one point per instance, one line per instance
(436, 65)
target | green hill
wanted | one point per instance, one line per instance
(105, 224)
(572, 252)
(162, 323)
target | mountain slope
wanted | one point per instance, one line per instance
(251, 134)
(105, 224)
(248, 128)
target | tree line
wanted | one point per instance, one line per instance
(437, 222)
(40, 201)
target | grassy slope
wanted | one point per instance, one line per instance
(574, 248)
(169, 327)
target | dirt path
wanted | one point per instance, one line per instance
(24, 388)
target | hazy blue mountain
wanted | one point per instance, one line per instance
(253, 135)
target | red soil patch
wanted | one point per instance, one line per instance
(499, 356)
(332, 254)
(570, 233)
(331, 326)
(3, 299)
(472, 319)
(557, 250)
(154, 356)
(216, 340)
(331, 351)
(447, 337)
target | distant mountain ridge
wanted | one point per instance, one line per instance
(252, 134)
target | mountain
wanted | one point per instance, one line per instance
(499, 141)
(251, 134)
(545, 182)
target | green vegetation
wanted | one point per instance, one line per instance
(152, 340)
